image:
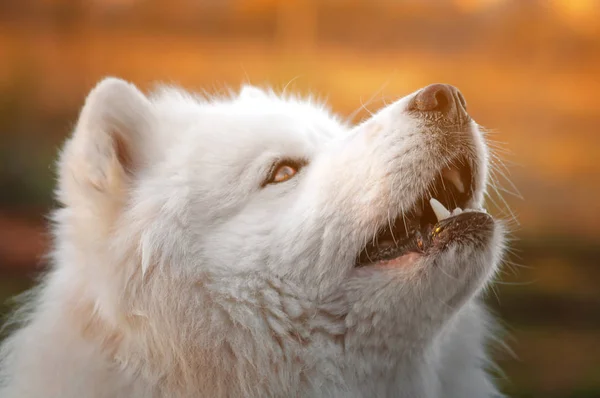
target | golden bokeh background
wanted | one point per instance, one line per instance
(529, 69)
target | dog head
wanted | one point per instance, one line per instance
(172, 199)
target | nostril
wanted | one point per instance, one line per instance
(435, 97)
(443, 100)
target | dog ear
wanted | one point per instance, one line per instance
(110, 146)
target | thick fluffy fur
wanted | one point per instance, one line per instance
(177, 273)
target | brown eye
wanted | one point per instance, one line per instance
(283, 170)
(283, 173)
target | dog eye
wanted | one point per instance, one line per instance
(283, 171)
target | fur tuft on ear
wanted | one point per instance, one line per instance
(111, 143)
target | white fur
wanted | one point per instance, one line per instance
(175, 274)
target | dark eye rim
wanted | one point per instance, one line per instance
(296, 164)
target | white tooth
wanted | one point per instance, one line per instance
(456, 211)
(453, 176)
(440, 211)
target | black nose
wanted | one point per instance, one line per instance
(442, 98)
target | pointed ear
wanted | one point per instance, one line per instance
(111, 144)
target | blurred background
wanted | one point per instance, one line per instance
(530, 71)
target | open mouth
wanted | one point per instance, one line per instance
(413, 231)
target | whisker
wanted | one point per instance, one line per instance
(364, 105)
(290, 82)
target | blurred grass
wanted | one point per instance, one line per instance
(548, 301)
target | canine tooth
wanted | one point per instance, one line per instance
(440, 211)
(453, 176)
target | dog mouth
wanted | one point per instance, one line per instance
(416, 230)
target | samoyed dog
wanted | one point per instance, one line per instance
(257, 246)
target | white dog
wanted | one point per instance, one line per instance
(255, 246)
